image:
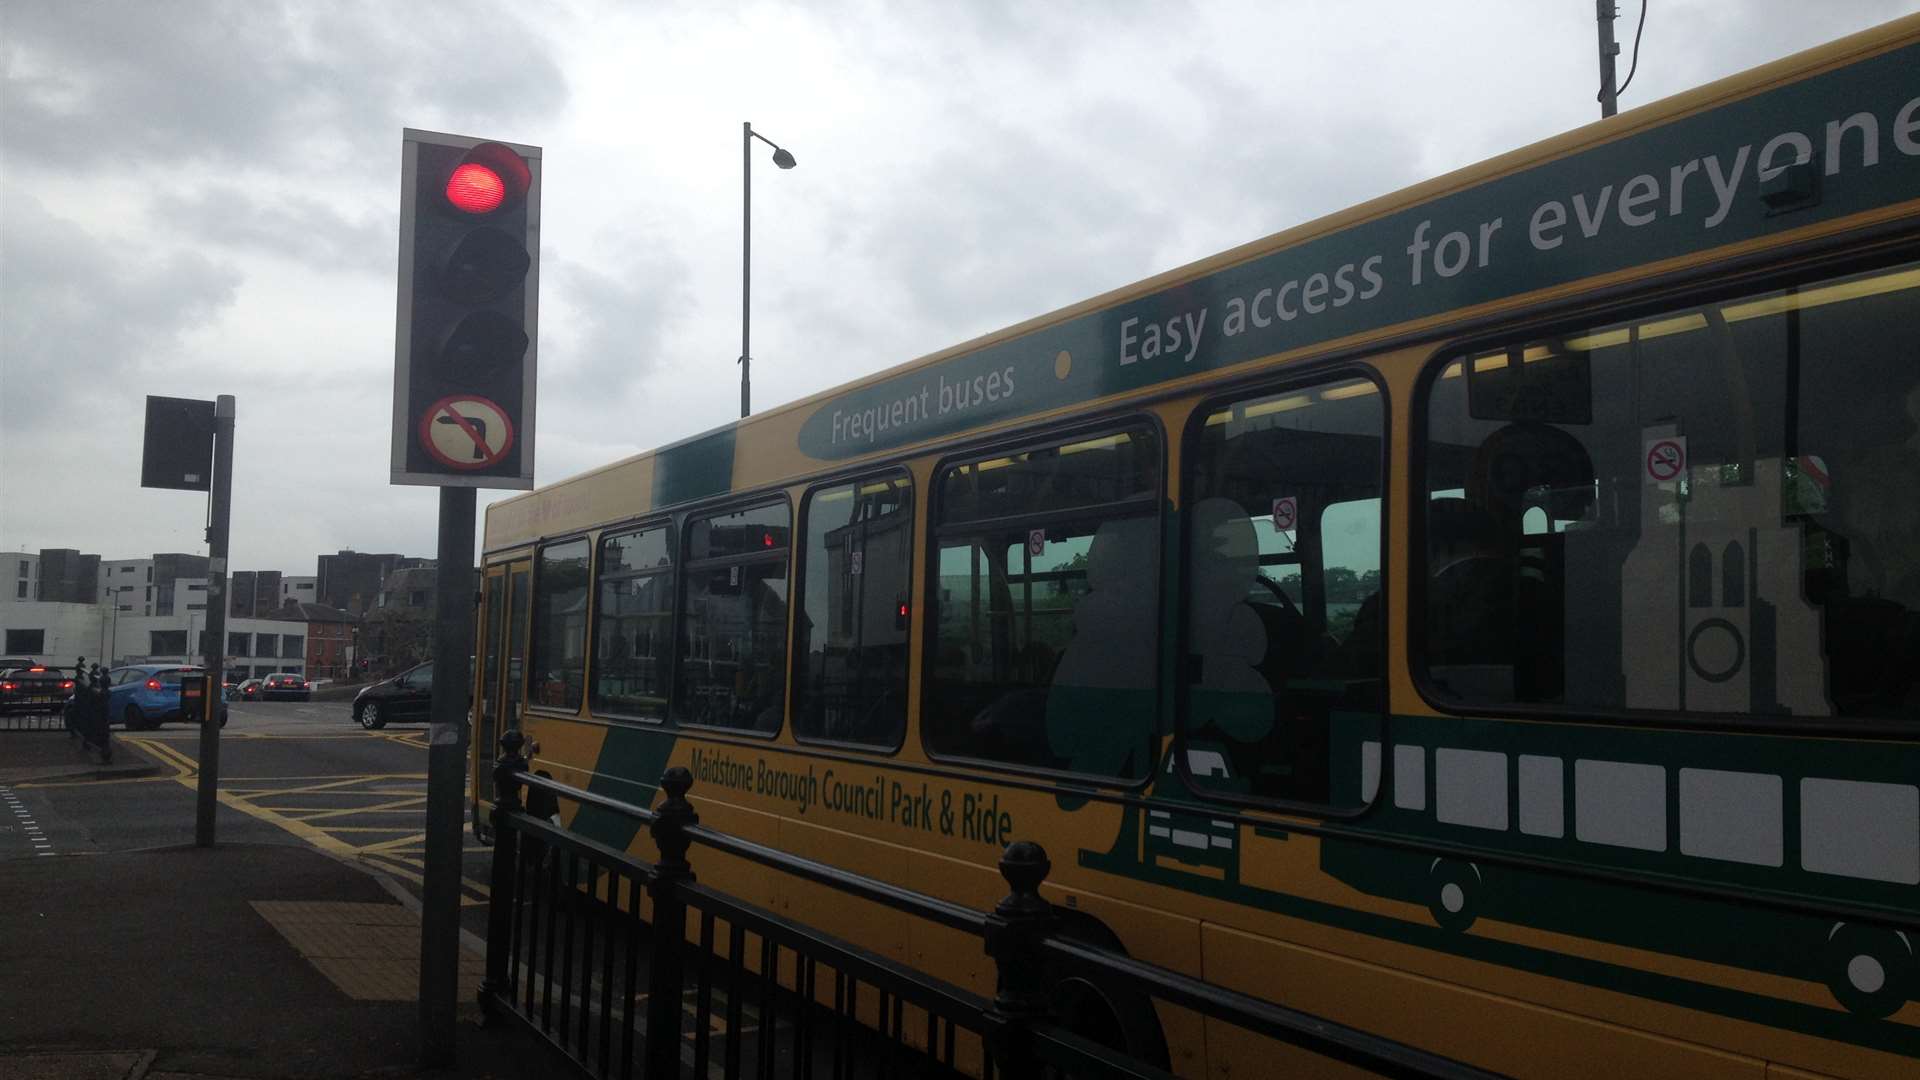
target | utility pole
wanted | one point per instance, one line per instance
(221, 513)
(1609, 48)
(446, 775)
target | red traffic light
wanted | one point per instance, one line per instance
(489, 177)
(476, 189)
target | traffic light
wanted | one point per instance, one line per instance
(466, 339)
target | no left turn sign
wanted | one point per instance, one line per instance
(466, 431)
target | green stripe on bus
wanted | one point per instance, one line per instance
(694, 469)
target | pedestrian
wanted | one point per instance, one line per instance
(99, 735)
(71, 711)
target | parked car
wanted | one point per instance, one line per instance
(285, 686)
(144, 696)
(33, 688)
(407, 697)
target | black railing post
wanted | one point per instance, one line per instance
(664, 975)
(501, 896)
(1015, 931)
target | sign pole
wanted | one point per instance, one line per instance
(446, 777)
(216, 652)
(1609, 94)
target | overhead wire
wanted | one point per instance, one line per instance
(1635, 64)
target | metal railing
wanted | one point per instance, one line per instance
(581, 949)
(32, 721)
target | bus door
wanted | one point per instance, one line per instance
(502, 657)
(493, 612)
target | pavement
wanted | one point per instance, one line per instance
(232, 962)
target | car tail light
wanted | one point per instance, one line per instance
(153, 684)
(67, 685)
(7, 686)
(36, 668)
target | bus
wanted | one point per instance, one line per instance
(1488, 616)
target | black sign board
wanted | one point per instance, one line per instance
(178, 448)
(1545, 387)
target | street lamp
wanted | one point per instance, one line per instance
(785, 161)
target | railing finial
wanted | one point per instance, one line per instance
(1024, 865)
(670, 822)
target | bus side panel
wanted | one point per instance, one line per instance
(1449, 1019)
(871, 926)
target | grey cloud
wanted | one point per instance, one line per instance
(945, 240)
(615, 327)
(79, 310)
(249, 82)
(288, 225)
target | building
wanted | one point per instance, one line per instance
(351, 580)
(58, 604)
(299, 590)
(254, 593)
(22, 575)
(68, 577)
(127, 585)
(332, 637)
(170, 568)
(50, 633)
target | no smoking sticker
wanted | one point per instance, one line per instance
(1036, 541)
(1666, 458)
(1286, 513)
(466, 432)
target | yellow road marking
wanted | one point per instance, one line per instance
(335, 776)
(187, 773)
(374, 828)
(405, 806)
(331, 785)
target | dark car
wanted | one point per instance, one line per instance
(34, 688)
(285, 686)
(407, 697)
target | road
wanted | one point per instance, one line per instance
(290, 772)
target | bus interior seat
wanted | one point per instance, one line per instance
(1229, 639)
(1101, 706)
(1470, 609)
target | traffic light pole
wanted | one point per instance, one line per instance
(446, 777)
(221, 512)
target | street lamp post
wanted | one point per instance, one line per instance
(785, 161)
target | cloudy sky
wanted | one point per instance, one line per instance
(201, 198)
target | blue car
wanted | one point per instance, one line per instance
(144, 696)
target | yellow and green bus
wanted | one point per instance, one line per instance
(1488, 616)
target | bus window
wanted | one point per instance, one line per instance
(560, 626)
(519, 603)
(634, 629)
(733, 631)
(1710, 511)
(494, 615)
(852, 625)
(1283, 619)
(1046, 600)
